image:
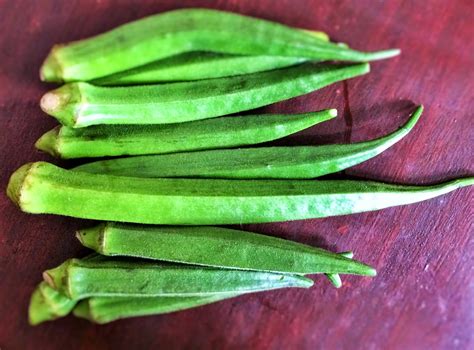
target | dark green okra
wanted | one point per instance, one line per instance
(252, 163)
(81, 104)
(79, 279)
(107, 309)
(116, 140)
(216, 247)
(163, 35)
(45, 188)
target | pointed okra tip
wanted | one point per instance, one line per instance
(48, 142)
(93, 237)
(38, 311)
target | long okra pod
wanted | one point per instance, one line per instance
(114, 277)
(216, 247)
(266, 162)
(197, 66)
(45, 188)
(168, 34)
(107, 309)
(116, 140)
(48, 304)
(81, 104)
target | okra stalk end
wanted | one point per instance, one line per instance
(49, 142)
(46, 304)
(56, 278)
(92, 237)
(51, 70)
(61, 103)
(17, 182)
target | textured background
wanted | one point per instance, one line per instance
(423, 295)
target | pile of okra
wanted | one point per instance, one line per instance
(153, 94)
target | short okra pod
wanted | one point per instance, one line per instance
(252, 163)
(116, 140)
(115, 277)
(48, 304)
(107, 309)
(81, 104)
(45, 188)
(216, 247)
(163, 35)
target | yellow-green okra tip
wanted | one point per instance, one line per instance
(51, 70)
(48, 142)
(92, 237)
(17, 181)
(61, 103)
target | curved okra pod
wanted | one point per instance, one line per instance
(80, 104)
(116, 140)
(48, 304)
(107, 309)
(168, 34)
(45, 188)
(79, 279)
(252, 163)
(216, 247)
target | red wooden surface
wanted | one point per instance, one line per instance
(423, 295)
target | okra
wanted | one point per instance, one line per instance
(116, 140)
(266, 162)
(48, 304)
(82, 104)
(216, 247)
(45, 188)
(107, 309)
(163, 35)
(197, 66)
(116, 277)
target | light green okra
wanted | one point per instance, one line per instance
(79, 279)
(107, 309)
(252, 163)
(48, 304)
(216, 247)
(116, 140)
(45, 188)
(163, 35)
(81, 104)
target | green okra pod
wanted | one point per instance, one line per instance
(216, 247)
(115, 277)
(107, 309)
(45, 188)
(171, 33)
(116, 140)
(81, 104)
(48, 304)
(197, 66)
(252, 163)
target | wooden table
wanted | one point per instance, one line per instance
(423, 295)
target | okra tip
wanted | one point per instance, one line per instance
(17, 182)
(92, 237)
(55, 277)
(48, 142)
(51, 70)
(37, 312)
(60, 103)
